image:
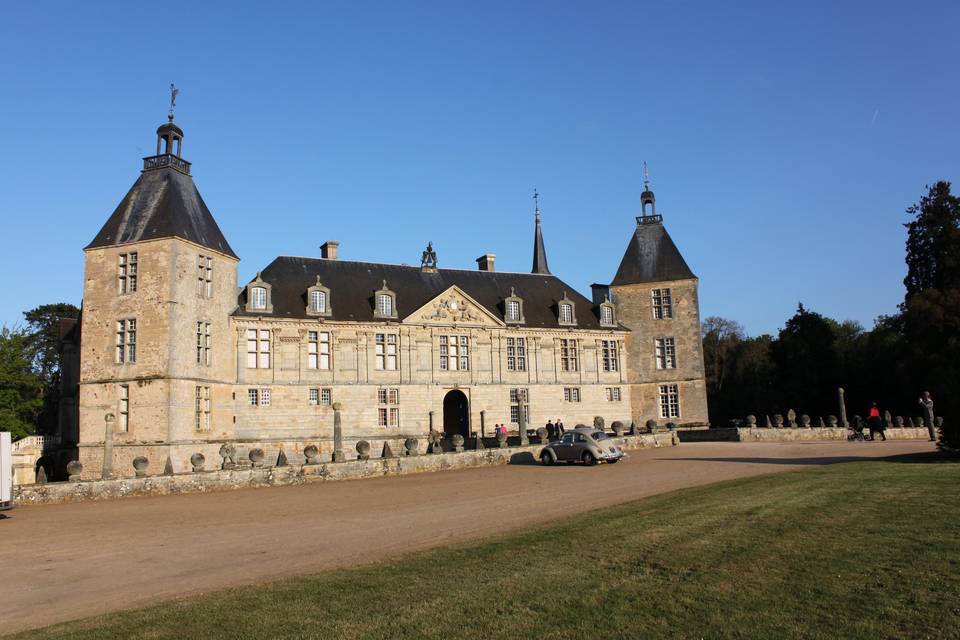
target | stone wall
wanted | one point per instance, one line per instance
(295, 474)
(755, 434)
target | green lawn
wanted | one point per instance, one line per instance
(859, 550)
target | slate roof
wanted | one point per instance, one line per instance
(651, 256)
(162, 203)
(352, 286)
(539, 252)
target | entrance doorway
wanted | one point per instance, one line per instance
(456, 414)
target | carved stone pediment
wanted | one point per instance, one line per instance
(453, 307)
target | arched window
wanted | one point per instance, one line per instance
(608, 317)
(384, 303)
(258, 296)
(566, 312)
(318, 300)
(513, 308)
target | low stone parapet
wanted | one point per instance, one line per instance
(796, 434)
(271, 476)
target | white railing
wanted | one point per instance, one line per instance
(35, 442)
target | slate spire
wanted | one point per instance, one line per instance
(164, 201)
(539, 252)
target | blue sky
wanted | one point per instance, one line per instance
(784, 140)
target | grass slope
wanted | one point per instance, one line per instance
(859, 550)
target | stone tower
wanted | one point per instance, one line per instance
(159, 285)
(655, 296)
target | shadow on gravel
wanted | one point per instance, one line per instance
(924, 457)
(524, 457)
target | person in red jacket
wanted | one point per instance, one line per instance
(875, 422)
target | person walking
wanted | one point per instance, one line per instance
(551, 430)
(559, 427)
(875, 422)
(926, 401)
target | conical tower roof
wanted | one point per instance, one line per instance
(651, 256)
(163, 203)
(539, 251)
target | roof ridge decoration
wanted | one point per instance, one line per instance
(453, 306)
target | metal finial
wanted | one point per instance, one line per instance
(646, 177)
(173, 100)
(536, 202)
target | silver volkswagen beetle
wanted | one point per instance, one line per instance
(583, 444)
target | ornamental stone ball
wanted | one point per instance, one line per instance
(898, 422)
(832, 422)
(502, 439)
(312, 454)
(196, 461)
(777, 421)
(651, 426)
(791, 419)
(617, 427)
(227, 452)
(751, 421)
(542, 434)
(598, 422)
(918, 422)
(805, 421)
(457, 441)
(140, 464)
(256, 457)
(363, 450)
(410, 444)
(74, 469)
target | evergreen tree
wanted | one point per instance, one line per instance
(21, 390)
(933, 242)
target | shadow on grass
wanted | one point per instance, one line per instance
(924, 457)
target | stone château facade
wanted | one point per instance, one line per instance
(184, 360)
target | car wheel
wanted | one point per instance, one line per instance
(546, 458)
(613, 461)
(588, 459)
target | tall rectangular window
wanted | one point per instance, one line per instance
(318, 301)
(666, 353)
(385, 305)
(388, 411)
(571, 394)
(318, 349)
(568, 354)
(513, 310)
(126, 350)
(127, 272)
(454, 353)
(519, 399)
(613, 394)
(203, 343)
(386, 351)
(202, 409)
(606, 315)
(258, 348)
(264, 397)
(662, 304)
(205, 276)
(669, 401)
(608, 352)
(253, 397)
(123, 423)
(516, 354)
(314, 396)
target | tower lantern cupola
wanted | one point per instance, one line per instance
(647, 198)
(169, 143)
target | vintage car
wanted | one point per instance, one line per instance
(585, 445)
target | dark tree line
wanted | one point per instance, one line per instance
(915, 349)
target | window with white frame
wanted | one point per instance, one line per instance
(258, 348)
(609, 355)
(204, 343)
(127, 272)
(253, 397)
(568, 355)
(606, 315)
(384, 305)
(519, 398)
(454, 353)
(386, 351)
(202, 409)
(666, 353)
(571, 394)
(388, 410)
(669, 401)
(264, 397)
(320, 397)
(318, 349)
(566, 313)
(516, 354)
(314, 397)
(318, 301)
(205, 277)
(513, 310)
(124, 409)
(326, 397)
(258, 298)
(613, 394)
(126, 341)
(662, 303)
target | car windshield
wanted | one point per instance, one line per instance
(599, 435)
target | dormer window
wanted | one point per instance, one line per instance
(513, 308)
(607, 316)
(258, 296)
(566, 314)
(385, 303)
(318, 300)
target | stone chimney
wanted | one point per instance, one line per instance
(328, 249)
(600, 291)
(485, 262)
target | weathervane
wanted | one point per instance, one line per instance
(536, 200)
(173, 100)
(646, 177)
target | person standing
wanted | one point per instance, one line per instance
(875, 422)
(926, 401)
(559, 428)
(551, 430)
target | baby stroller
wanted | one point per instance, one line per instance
(856, 430)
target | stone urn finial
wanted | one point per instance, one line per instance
(312, 454)
(140, 464)
(832, 422)
(777, 421)
(363, 450)
(457, 441)
(74, 470)
(805, 421)
(598, 422)
(751, 421)
(617, 427)
(791, 419)
(651, 426)
(898, 422)
(411, 445)
(196, 461)
(228, 453)
(542, 434)
(256, 457)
